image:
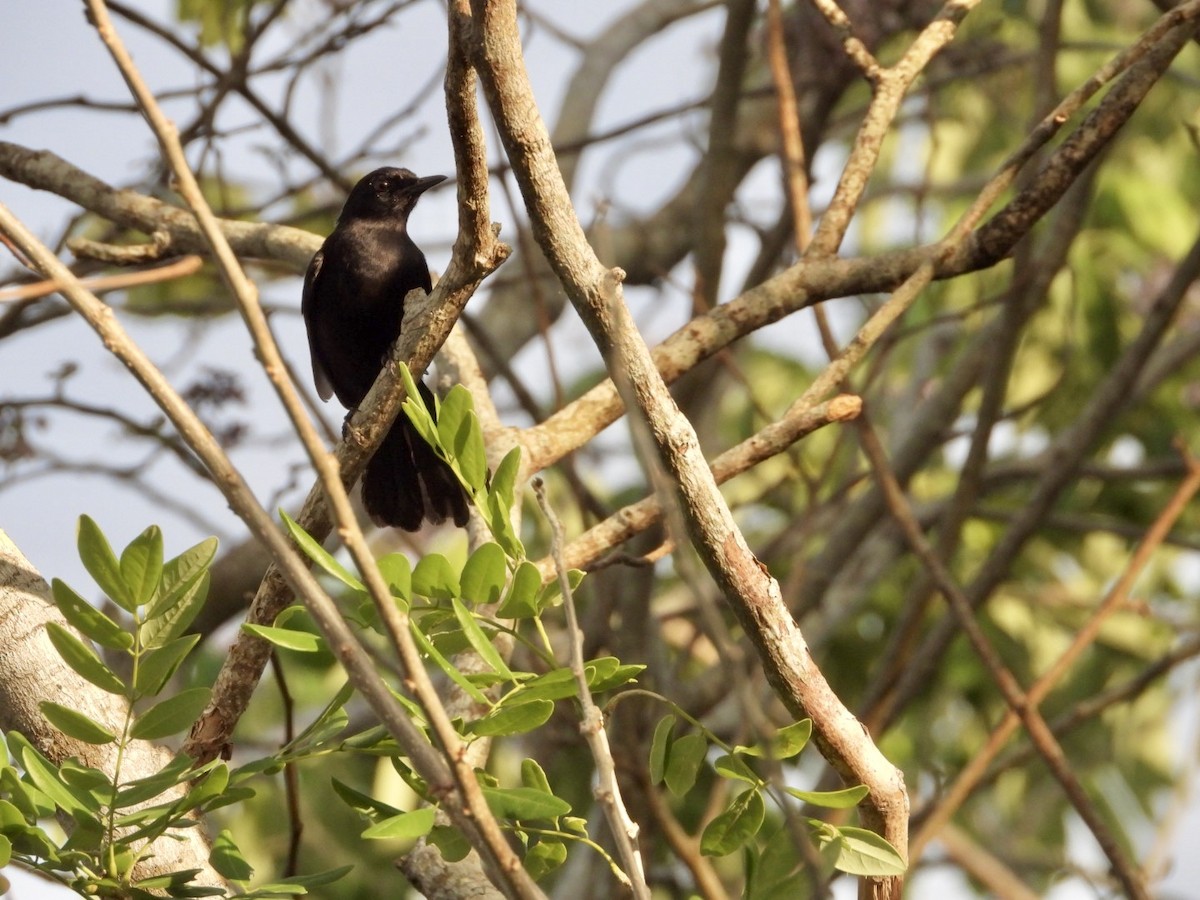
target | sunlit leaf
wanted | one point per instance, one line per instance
(76, 724)
(101, 563)
(88, 620)
(83, 659)
(141, 565)
(172, 715)
(734, 827)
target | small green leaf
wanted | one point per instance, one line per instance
(513, 719)
(318, 554)
(83, 659)
(484, 574)
(101, 563)
(843, 799)
(557, 684)
(406, 826)
(46, 779)
(659, 747)
(171, 716)
(521, 602)
(180, 574)
(364, 804)
(864, 853)
(169, 619)
(415, 410)
(141, 565)
(534, 776)
(460, 435)
(735, 767)
(500, 523)
(683, 763)
(397, 572)
(434, 578)
(5, 852)
(451, 842)
(448, 667)
(604, 675)
(88, 620)
(504, 480)
(524, 803)
(287, 638)
(227, 859)
(551, 594)
(544, 857)
(734, 827)
(786, 743)
(157, 666)
(176, 771)
(479, 641)
(76, 724)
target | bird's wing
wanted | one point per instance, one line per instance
(309, 309)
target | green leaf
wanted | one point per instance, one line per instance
(5, 852)
(176, 771)
(364, 804)
(286, 638)
(171, 716)
(521, 602)
(76, 724)
(786, 743)
(500, 523)
(865, 853)
(101, 563)
(406, 826)
(181, 573)
(479, 641)
(734, 827)
(451, 842)
(512, 719)
(460, 433)
(415, 409)
(524, 803)
(607, 673)
(157, 666)
(83, 659)
(778, 868)
(170, 619)
(735, 767)
(551, 594)
(683, 763)
(501, 498)
(446, 666)
(318, 554)
(141, 565)
(534, 776)
(504, 480)
(397, 572)
(45, 777)
(544, 857)
(88, 620)
(843, 799)
(557, 684)
(434, 578)
(227, 859)
(659, 747)
(484, 574)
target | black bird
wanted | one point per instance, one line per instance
(353, 307)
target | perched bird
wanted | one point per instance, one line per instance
(353, 306)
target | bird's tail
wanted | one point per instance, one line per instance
(407, 483)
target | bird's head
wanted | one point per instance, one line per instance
(387, 193)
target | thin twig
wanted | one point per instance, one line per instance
(607, 791)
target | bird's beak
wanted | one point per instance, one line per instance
(423, 184)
